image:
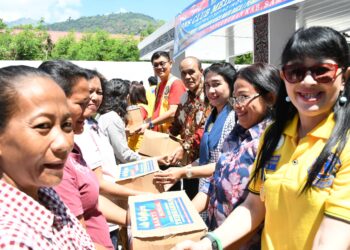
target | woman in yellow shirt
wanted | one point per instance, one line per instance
(301, 184)
(137, 99)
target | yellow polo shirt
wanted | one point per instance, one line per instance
(292, 219)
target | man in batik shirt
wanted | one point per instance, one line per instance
(190, 118)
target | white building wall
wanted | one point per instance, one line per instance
(133, 71)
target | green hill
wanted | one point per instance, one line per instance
(121, 23)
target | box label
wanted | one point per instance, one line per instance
(133, 170)
(161, 213)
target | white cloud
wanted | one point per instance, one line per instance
(122, 10)
(51, 10)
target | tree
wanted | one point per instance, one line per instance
(65, 48)
(35, 44)
(97, 46)
(5, 44)
(2, 24)
(244, 59)
(29, 44)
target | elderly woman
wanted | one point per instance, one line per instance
(36, 136)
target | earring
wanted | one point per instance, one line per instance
(342, 100)
(287, 99)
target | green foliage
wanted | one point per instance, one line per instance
(244, 59)
(2, 24)
(97, 46)
(29, 44)
(35, 44)
(121, 23)
(5, 44)
(32, 42)
(65, 47)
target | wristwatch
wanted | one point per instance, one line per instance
(214, 243)
(189, 171)
(150, 125)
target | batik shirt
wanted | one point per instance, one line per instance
(228, 187)
(189, 122)
(44, 224)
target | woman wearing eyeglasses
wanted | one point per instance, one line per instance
(254, 94)
(300, 185)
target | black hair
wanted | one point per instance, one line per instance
(115, 97)
(137, 94)
(10, 79)
(65, 73)
(152, 80)
(224, 69)
(265, 78)
(158, 54)
(317, 43)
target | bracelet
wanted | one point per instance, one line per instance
(215, 241)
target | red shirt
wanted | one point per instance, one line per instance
(177, 89)
(79, 190)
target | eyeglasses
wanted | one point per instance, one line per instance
(242, 99)
(321, 73)
(161, 64)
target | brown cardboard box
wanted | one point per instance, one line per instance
(137, 175)
(160, 221)
(134, 118)
(158, 144)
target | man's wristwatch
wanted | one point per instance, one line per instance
(189, 172)
(150, 125)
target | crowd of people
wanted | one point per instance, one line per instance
(264, 155)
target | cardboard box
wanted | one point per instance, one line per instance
(137, 175)
(134, 118)
(158, 144)
(160, 221)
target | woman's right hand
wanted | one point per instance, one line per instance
(169, 176)
(204, 244)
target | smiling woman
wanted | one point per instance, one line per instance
(36, 136)
(79, 188)
(302, 171)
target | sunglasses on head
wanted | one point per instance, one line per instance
(321, 73)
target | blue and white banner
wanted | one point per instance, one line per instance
(203, 17)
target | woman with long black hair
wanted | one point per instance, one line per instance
(300, 186)
(113, 117)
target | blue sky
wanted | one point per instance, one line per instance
(61, 10)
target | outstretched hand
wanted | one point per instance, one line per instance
(177, 157)
(141, 129)
(169, 176)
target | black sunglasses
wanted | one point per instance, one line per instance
(321, 73)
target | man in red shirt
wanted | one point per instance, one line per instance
(168, 94)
